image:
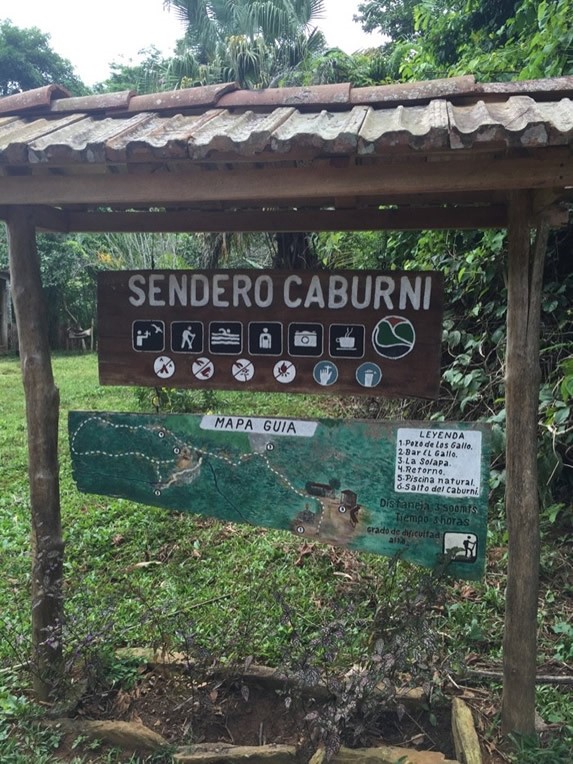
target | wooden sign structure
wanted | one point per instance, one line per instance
(356, 332)
(413, 490)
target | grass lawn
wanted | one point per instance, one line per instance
(138, 576)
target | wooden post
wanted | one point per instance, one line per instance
(42, 411)
(525, 278)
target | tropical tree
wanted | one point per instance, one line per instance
(28, 61)
(257, 44)
(542, 36)
(252, 43)
(394, 18)
(143, 76)
(361, 69)
(491, 39)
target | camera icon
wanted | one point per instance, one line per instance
(305, 339)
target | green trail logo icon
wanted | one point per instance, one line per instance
(393, 337)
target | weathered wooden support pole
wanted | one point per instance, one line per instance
(42, 412)
(525, 278)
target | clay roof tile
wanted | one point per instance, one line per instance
(39, 98)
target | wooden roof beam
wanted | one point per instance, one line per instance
(402, 219)
(554, 169)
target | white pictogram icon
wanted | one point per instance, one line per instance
(187, 338)
(148, 336)
(243, 370)
(346, 341)
(368, 374)
(284, 372)
(140, 337)
(265, 339)
(164, 367)
(325, 373)
(203, 368)
(225, 337)
(305, 339)
(462, 546)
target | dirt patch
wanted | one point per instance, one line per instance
(185, 707)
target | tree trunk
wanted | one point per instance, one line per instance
(215, 247)
(42, 410)
(525, 278)
(295, 252)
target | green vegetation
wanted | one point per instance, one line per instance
(491, 39)
(139, 576)
(254, 44)
(28, 61)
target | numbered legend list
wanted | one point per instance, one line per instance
(441, 462)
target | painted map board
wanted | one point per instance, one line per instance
(357, 332)
(410, 489)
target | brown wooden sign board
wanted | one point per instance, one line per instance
(355, 332)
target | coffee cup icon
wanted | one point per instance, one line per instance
(346, 341)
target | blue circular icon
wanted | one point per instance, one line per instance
(368, 374)
(325, 373)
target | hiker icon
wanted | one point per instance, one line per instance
(187, 339)
(462, 546)
(469, 546)
(187, 336)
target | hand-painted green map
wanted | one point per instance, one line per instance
(410, 489)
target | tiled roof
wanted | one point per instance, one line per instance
(443, 153)
(47, 125)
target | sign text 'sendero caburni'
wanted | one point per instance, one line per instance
(370, 332)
